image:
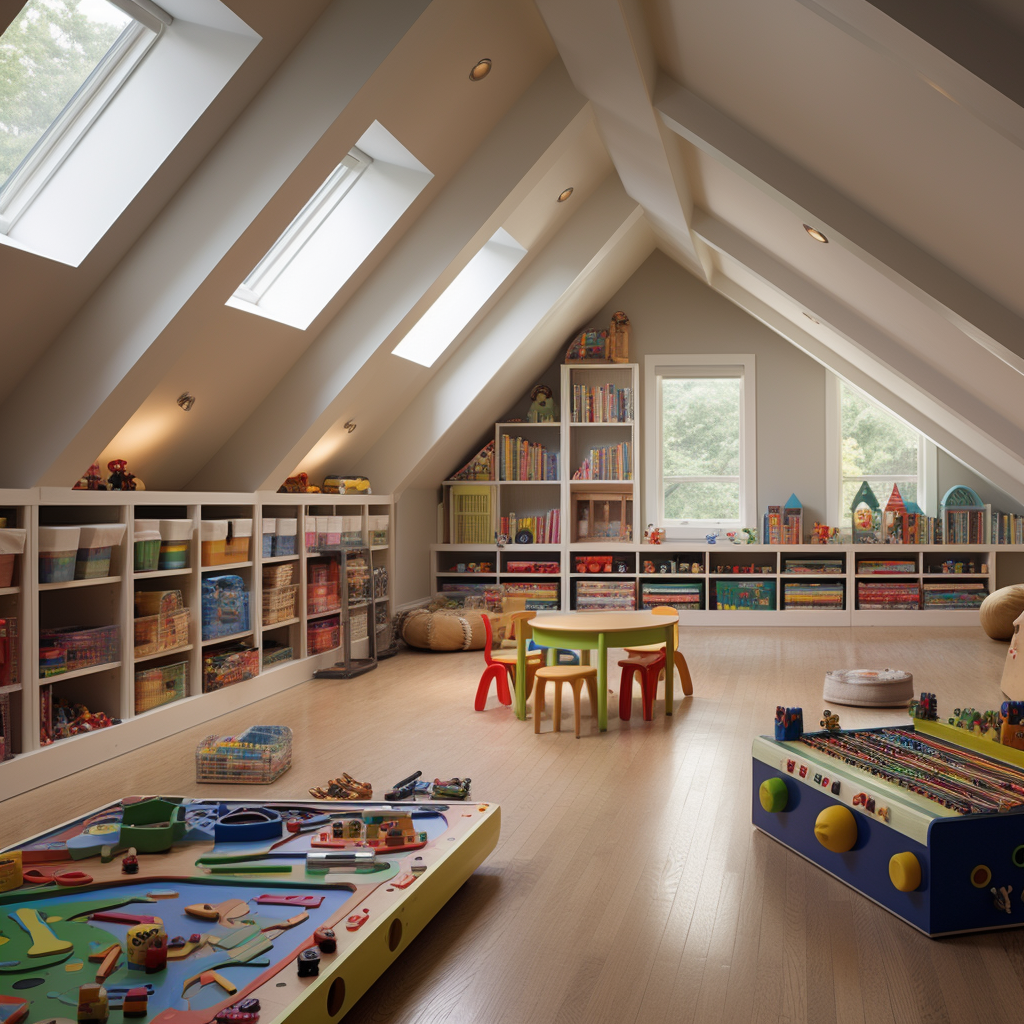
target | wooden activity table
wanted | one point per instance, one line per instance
(596, 631)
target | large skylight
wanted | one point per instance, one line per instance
(447, 318)
(347, 216)
(60, 61)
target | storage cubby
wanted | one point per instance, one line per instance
(735, 560)
(668, 562)
(603, 562)
(604, 593)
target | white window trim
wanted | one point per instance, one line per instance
(305, 225)
(927, 458)
(742, 366)
(70, 126)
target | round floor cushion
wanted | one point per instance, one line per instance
(1000, 608)
(869, 688)
(444, 630)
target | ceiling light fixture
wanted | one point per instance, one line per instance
(815, 234)
(481, 69)
(811, 318)
(564, 194)
(186, 400)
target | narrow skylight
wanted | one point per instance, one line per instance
(339, 226)
(445, 320)
(55, 57)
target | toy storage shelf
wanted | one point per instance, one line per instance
(109, 600)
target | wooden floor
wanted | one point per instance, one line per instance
(628, 884)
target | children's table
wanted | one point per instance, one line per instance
(596, 631)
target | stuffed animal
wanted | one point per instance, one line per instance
(120, 479)
(338, 484)
(543, 408)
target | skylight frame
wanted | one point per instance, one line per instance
(304, 226)
(72, 124)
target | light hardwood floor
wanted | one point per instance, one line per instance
(628, 885)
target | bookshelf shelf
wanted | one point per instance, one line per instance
(164, 654)
(75, 584)
(61, 677)
(227, 639)
(161, 574)
(7, 591)
(227, 567)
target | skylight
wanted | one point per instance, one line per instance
(447, 318)
(60, 62)
(347, 216)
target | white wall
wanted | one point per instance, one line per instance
(416, 512)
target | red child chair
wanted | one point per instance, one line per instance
(500, 668)
(649, 662)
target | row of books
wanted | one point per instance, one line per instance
(603, 404)
(605, 595)
(817, 565)
(545, 529)
(813, 595)
(526, 460)
(966, 526)
(683, 596)
(541, 596)
(613, 462)
(887, 566)
(953, 595)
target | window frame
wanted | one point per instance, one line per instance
(927, 457)
(72, 124)
(658, 367)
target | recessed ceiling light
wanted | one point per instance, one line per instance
(481, 69)
(815, 234)
(564, 194)
(811, 318)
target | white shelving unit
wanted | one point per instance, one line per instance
(110, 601)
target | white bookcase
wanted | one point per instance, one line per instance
(109, 600)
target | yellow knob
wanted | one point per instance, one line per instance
(836, 829)
(905, 871)
(774, 795)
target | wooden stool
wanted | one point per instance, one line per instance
(649, 668)
(576, 676)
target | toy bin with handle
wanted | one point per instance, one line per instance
(95, 544)
(236, 547)
(175, 535)
(214, 539)
(58, 546)
(147, 545)
(12, 544)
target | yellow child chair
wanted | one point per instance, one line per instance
(680, 662)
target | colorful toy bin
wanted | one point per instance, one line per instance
(94, 546)
(147, 545)
(175, 535)
(58, 546)
(12, 543)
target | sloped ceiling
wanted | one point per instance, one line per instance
(712, 129)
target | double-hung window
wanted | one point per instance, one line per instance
(700, 442)
(61, 62)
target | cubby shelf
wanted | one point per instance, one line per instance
(160, 574)
(164, 654)
(98, 581)
(226, 639)
(78, 673)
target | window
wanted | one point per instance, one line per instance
(700, 442)
(349, 214)
(870, 444)
(447, 318)
(61, 62)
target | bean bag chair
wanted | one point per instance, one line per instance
(444, 630)
(999, 609)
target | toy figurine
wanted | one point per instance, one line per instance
(130, 863)
(751, 534)
(823, 534)
(543, 407)
(732, 538)
(450, 789)
(789, 723)
(829, 721)
(92, 481)
(711, 537)
(618, 338)
(120, 479)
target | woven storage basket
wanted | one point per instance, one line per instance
(444, 631)
(155, 634)
(278, 575)
(156, 686)
(279, 604)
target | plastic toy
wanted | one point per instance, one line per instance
(450, 789)
(403, 790)
(543, 407)
(338, 484)
(93, 1004)
(829, 721)
(343, 788)
(92, 480)
(789, 723)
(751, 534)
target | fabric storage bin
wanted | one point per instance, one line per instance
(322, 597)
(258, 756)
(269, 528)
(351, 531)
(147, 545)
(58, 546)
(12, 543)
(161, 623)
(82, 648)
(236, 548)
(225, 606)
(323, 635)
(229, 666)
(312, 541)
(378, 529)
(213, 540)
(162, 685)
(284, 536)
(279, 604)
(175, 535)
(95, 543)
(275, 653)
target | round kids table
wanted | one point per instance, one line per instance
(596, 631)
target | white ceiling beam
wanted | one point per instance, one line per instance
(311, 397)
(959, 49)
(606, 47)
(955, 419)
(588, 260)
(980, 317)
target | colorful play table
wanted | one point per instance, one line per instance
(596, 631)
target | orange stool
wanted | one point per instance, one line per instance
(577, 676)
(649, 668)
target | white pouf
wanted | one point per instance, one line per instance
(869, 688)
